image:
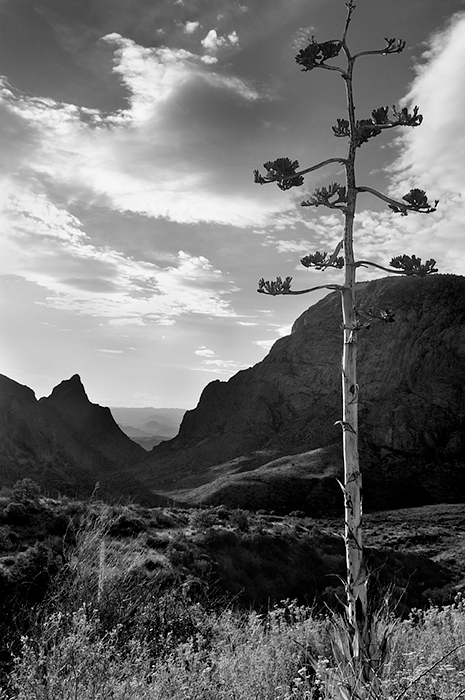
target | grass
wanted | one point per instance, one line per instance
(231, 655)
(146, 614)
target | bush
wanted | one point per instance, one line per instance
(239, 519)
(201, 519)
(26, 490)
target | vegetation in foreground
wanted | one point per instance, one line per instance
(221, 653)
(104, 601)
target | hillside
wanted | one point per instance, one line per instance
(267, 438)
(412, 410)
(64, 442)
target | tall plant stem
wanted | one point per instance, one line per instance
(356, 584)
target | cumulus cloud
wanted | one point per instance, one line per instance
(146, 158)
(213, 43)
(142, 159)
(190, 27)
(60, 154)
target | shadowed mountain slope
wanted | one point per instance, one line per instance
(411, 402)
(64, 442)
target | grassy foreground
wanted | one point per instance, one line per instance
(211, 655)
(102, 602)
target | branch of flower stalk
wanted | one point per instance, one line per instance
(400, 207)
(260, 180)
(280, 288)
(365, 263)
(350, 8)
(393, 46)
(428, 670)
(406, 264)
(327, 66)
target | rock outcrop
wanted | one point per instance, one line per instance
(411, 401)
(64, 442)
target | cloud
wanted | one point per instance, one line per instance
(146, 159)
(45, 244)
(435, 151)
(265, 344)
(281, 331)
(190, 27)
(432, 156)
(213, 43)
(111, 352)
(156, 157)
(221, 367)
(205, 352)
(213, 363)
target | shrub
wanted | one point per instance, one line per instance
(201, 519)
(239, 519)
(26, 490)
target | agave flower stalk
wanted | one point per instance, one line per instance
(361, 647)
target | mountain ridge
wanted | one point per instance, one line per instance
(412, 404)
(267, 438)
(64, 442)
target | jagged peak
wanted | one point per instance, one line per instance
(71, 388)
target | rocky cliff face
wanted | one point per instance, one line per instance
(411, 403)
(64, 441)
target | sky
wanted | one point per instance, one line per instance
(132, 235)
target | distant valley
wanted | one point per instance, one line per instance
(148, 426)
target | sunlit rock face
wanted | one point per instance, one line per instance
(411, 376)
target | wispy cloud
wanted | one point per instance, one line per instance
(211, 362)
(205, 352)
(47, 245)
(265, 344)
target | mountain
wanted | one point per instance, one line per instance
(64, 442)
(267, 438)
(411, 410)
